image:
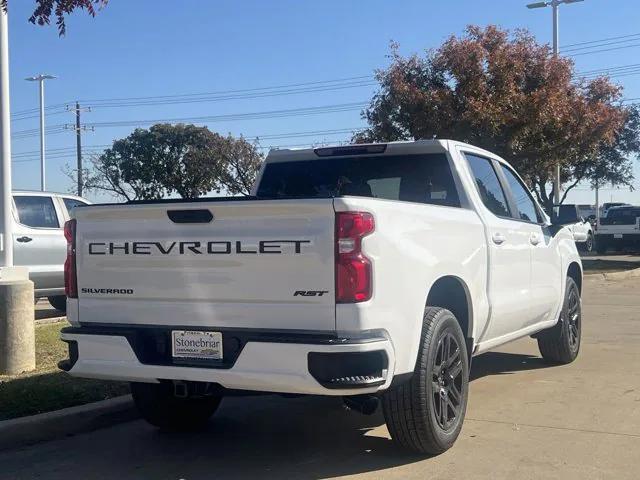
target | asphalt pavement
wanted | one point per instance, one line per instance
(525, 420)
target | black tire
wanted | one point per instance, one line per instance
(413, 409)
(588, 245)
(159, 406)
(59, 302)
(560, 344)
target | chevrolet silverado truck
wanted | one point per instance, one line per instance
(371, 272)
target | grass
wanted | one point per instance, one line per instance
(47, 388)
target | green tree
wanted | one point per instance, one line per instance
(504, 92)
(180, 159)
(45, 9)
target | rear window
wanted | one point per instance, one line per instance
(621, 216)
(410, 178)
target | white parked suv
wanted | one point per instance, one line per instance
(364, 271)
(38, 239)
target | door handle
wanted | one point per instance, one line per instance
(498, 238)
(24, 239)
(534, 239)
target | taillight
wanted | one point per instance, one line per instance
(353, 268)
(70, 276)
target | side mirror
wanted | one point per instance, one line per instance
(564, 215)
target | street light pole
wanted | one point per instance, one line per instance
(554, 4)
(6, 225)
(17, 328)
(41, 78)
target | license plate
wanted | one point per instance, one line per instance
(196, 344)
(617, 235)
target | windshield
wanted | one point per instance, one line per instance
(411, 178)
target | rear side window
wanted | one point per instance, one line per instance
(410, 178)
(71, 203)
(526, 207)
(37, 212)
(488, 185)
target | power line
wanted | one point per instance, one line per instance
(294, 112)
(66, 152)
(604, 50)
(563, 47)
(223, 92)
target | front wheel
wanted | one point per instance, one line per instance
(159, 406)
(425, 414)
(561, 343)
(588, 245)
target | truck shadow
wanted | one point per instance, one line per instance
(306, 437)
(502, 363)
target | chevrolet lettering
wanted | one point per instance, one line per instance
(205, 247)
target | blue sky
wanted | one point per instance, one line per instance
(158, 47)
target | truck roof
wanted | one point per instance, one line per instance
(399, 148)
(40, 193)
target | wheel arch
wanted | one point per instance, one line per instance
(575, 272)
(452, 292)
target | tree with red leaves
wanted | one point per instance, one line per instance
(503, 91)
(45, 9)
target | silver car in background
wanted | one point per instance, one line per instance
(39, 242)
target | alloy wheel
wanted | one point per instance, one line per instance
(447, 381)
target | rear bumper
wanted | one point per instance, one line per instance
(298, 364)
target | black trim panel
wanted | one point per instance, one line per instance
(152, 343)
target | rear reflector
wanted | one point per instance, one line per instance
(70, 275)
(353, 268)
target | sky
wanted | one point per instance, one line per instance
(152, 48)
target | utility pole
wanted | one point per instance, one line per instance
(17, 328)
(554, 4)
(597, 203)
(78, 127)
(41, 78)
(79, 148)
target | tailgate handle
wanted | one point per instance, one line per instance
(190, 216)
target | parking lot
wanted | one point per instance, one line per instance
(525, 420)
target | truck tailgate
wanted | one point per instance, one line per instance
(240, 269)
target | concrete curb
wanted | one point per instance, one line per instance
(633, 273)
(68, 421)
(47, 321)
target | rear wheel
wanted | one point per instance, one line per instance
(159, 406)
(561, 343)
(59, 302)
(425, 414)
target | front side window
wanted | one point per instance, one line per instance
(409, 178)
(38, 212)
(525, 205)
(488, 185)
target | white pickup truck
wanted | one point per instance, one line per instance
(619, 229)
(364, 271)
